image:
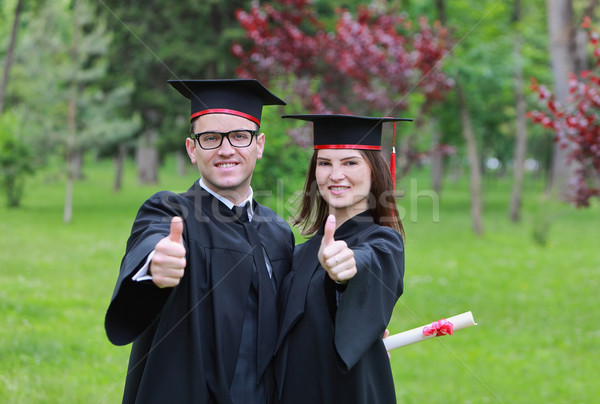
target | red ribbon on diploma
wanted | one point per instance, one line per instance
(440, 327)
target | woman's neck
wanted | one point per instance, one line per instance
(344, 214)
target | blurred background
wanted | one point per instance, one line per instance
(498, 176)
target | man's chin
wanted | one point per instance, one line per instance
(233, 188)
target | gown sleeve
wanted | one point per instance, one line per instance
(135, 305)
(366, 305)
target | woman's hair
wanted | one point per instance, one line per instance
(381, 199)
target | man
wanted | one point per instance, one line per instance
(197, 285)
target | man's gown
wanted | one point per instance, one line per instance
(186, 339)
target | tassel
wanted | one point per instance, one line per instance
(393, 158)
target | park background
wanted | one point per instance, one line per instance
(499, 202)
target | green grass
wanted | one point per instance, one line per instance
(538, 332)
(537, 340)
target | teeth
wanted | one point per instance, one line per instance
(338, 188)
(226, 165)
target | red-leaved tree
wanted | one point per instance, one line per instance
(576, 123)
(369, 64)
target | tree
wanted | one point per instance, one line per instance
(88, 46)
(377, 62)
(64, 53)
(576, 124)
(562, 48)
(521, 127)
(9, 54)
(462, 74)
(155, 41)
(15, 160)
(474, 160)
(372, 62)
(483, 62)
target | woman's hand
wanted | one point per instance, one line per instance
(335, 256)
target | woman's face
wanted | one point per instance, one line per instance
(344, 180)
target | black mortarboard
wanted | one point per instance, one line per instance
(346, 131)
(241, 97)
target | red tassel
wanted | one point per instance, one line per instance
(393, 158)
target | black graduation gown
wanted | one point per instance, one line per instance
(334, 353)
(186, 339)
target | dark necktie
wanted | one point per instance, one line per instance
(267, 313)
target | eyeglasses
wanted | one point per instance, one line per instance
(237, 138)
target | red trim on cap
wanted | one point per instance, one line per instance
(347, 146)
(225, 111)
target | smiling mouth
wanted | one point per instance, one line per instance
(226, 165)
(338, 188)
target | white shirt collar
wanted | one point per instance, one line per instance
(227, 202)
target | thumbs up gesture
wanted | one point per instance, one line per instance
(168, 262)
(335, 256)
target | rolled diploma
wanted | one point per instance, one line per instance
(459, 322)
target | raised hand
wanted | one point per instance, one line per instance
(168, 262)
(335, 256)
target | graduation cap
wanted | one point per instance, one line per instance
(241, 97)
(346, 131)
(334, 131)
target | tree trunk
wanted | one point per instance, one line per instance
(440, 6)
(146, 158)
(562, 48)
(71, 124)
(437, 158)
(521, 135)
(68, 211)
(71, 163)
(119, 163)
(78, 165)
(9, 54)
(473, 156)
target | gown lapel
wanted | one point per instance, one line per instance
(305, 266)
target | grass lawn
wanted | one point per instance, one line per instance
(539, 329)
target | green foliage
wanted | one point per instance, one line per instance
(15, 160)
(483, 60)
(130, 49)
(279, 175)
(61, 61)
(155, 41)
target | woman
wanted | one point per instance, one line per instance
(345, 280)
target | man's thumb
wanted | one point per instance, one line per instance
(176, 230)
(329, 230)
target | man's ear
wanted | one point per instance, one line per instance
(190, 146)
(260, 143)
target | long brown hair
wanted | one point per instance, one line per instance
(382, 200)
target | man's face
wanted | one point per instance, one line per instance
(226, 170)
